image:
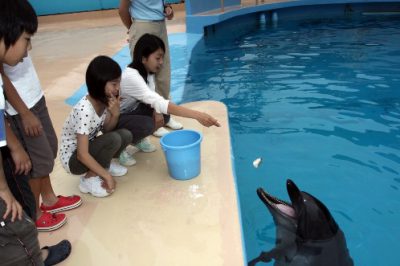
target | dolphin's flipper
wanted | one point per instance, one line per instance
(276, 253)
(264, 257)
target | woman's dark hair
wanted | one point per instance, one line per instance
(145, 46)
(101, 70)
(16, 17)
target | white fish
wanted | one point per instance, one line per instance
(257, 162)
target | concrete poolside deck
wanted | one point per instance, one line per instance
(151, 219)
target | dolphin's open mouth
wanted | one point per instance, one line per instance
(280, 205)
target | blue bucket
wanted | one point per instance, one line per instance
(182, 153)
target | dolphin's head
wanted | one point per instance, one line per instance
(283, 214)
(306, 216)
(314, 221)
(306, 233)
(278, 208)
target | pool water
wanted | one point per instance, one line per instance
(319, 102)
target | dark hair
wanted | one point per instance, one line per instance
(16, 17)
(145, 46)
(101, 70)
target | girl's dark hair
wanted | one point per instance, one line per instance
(145, 46)
(16, 17)
(101, 70)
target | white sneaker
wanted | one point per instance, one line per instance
(132, 149)
(145, 145)
(173, 124)
(160, 132)
(93, 186)
(116, 169)
(126, 159)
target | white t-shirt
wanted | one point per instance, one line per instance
(135, 90)
(84, 120)
(26, 81)
(3, 141)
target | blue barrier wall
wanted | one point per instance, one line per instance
(49, 7)
(198, 6)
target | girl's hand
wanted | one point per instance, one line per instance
(168, 12)
(109, 184)
(13, 208)
(32, 125)
(113, 105)
(21, 160)
(158, 120)
(207, 120)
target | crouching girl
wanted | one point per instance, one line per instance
(83, 150)
(143, 110)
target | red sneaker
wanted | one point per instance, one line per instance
(50, 222)
(63, 204)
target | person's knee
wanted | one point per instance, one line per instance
(126, 135)
(149, 127)
(115, 140)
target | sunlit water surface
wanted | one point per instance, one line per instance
(319, 102)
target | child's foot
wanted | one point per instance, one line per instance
(116, 169)
(126, 159)
(173, 124)
(93, 185)
(160, 132)
(145, 145)
(50, 221)
(63, 204)
(55, 254)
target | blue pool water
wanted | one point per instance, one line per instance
(319, 101)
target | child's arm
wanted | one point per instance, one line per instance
(20, 157)
(112, 114)
(30, 122)
(168, 11)
(88, 160)
(12, 205)
(124, 14)
(203, 118)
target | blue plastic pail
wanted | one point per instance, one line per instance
(182, 153)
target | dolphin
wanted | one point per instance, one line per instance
(306, 233)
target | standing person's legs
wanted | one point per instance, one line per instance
(50, 201)
(42, 151)
(163, 77)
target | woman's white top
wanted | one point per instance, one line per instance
(26, 81)
(83, 120)
(135, 90)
